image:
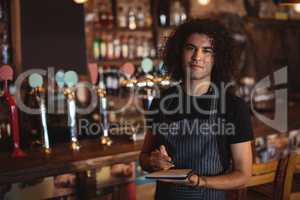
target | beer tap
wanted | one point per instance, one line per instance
(147, 67)
(71, 79)
(36, 83)
(103, 107)
(128, 70)
(6, 74)
(60, 81)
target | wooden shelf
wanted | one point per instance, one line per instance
(166, 28)
(273, 22)
(119, 29)
(119, 62)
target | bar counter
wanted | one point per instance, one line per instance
(93, 155)
(63, 160)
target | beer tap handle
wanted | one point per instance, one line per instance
(6, 74)
(59, 78)
(60, 81)
(71, 79)
(94, 75)
(127, 69)
(147, 65)
(36, 83)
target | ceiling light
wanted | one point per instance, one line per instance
(203, 2)
(80, 1)
(297, 7)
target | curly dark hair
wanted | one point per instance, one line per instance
(224, 65)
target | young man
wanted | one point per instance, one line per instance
(198, 124)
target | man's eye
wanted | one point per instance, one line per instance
(209, 51)
(189, 47)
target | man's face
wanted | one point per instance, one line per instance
(198, 57)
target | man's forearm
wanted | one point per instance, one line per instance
(233, 180)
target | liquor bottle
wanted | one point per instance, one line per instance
(122, 19)
(1, 11)
(110, 47)
(124, 47)
(183, 15)
(140, 17)
(175, 13)
(117, 48)
(96, 19)
(131, 47)
(96, 49)
(115, 81)
(131, 18)
(163, 13)
(139, 47)
(4, 11)
(146, 48)
(152, 49)
(103, 47)
(110, 19)
(109, 83)
(5, 50)
(103, 16)
(148, 17)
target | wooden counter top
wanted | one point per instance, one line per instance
(63, 160)
(93, 155)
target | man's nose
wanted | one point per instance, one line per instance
(198, 54)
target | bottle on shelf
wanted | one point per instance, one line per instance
(175, 13)
(1, 11)
(140, 17)
(103, 16)
(122, 19)
(139, 47)
(146, 47)
(148, 19)
(110, 19)
(95, 14)
(103, 47)
(111, 80)
(132, 18)
(110, 47)
(117, 48)
(115, 81)
(96, 48)
(131, 47)
(5, 49)
(183, 15)
(124, 47)
(152, 49)
(163, 13)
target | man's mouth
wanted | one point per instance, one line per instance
(195, 66)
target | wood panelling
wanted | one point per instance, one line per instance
(52, 34)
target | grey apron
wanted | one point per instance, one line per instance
(191, 148)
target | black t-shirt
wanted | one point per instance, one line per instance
(233, 121)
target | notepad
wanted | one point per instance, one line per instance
(172, 174)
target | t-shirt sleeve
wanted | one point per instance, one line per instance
(241, 121)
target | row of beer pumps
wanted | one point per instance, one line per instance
(66, 84)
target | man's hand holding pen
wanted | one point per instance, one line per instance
(160, 160)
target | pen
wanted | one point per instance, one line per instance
(171, 162)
